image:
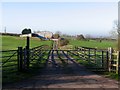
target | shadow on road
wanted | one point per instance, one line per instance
(55, 75)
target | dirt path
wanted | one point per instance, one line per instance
(73, 76)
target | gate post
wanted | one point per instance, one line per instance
(25, 59)
(27, 52)
(107, 61)
(89, 61)
(118, 63)
(110, 51)
(20, 59)
(102, 62)
(27, 48)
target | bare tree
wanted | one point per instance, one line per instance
(58, 32)
(88, 36)
(118, 27)
(56, 36)
(116, 31)
(113, 34)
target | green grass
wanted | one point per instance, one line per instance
(11, 73)
(82, 62)
(13, 42)
(92, 65)
(109, 75)
(94, 44)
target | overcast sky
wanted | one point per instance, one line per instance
(94, 18)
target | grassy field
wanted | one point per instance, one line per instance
(13, 42)
(10, 66)
(94, 44)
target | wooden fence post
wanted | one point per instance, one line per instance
(27, 52)
(118, 58)
(95, 58)
(110, 57)
(20, 58)
(25, 58)
(107, 61)
(102, 59)
(89, 56)
(119, 67)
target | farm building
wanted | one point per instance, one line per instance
(46, 34)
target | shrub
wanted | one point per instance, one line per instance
(80, 37)
(63, 41)
(55, 36)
